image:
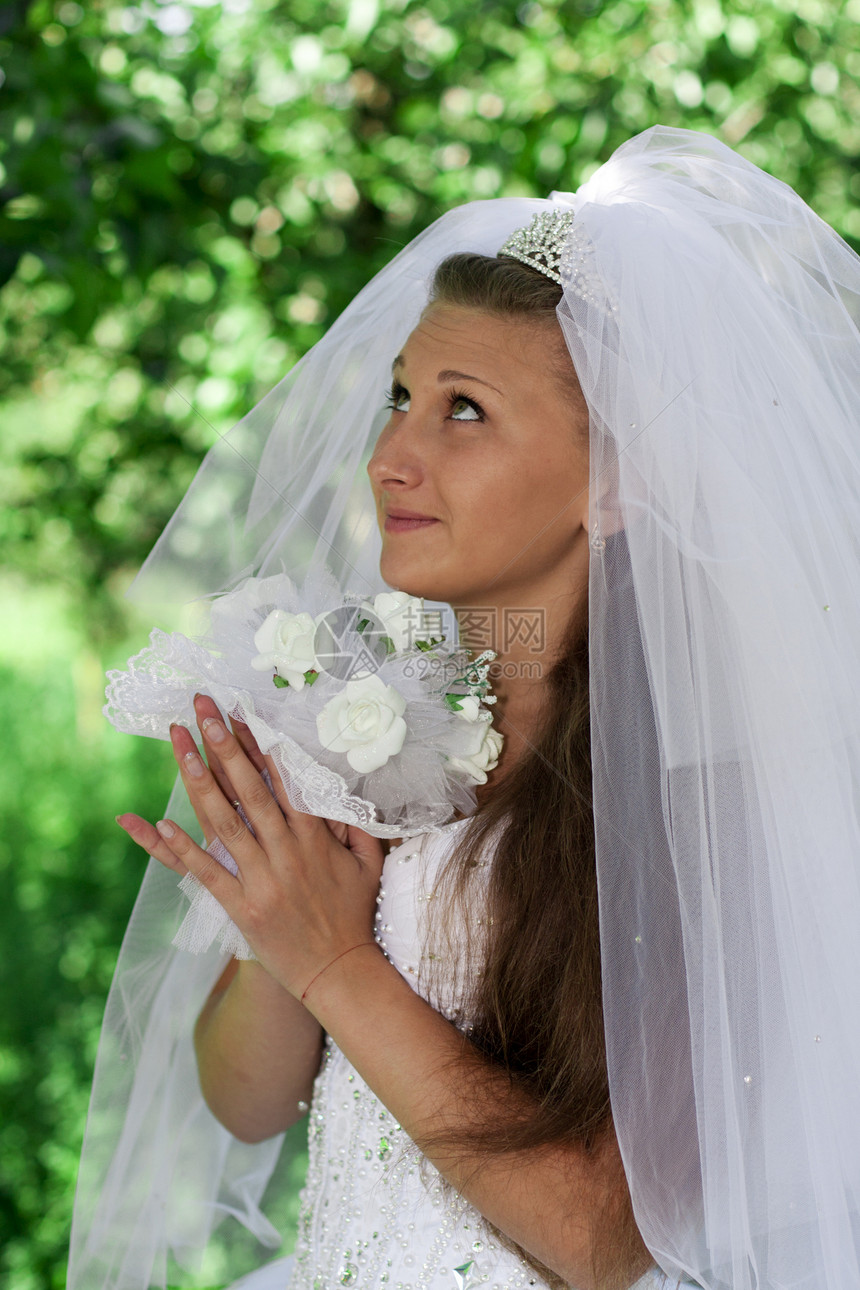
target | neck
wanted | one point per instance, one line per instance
(527, 643)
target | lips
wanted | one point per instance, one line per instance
(404, 522)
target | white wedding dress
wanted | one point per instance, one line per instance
(374, 1212)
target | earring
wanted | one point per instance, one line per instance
(597, 543)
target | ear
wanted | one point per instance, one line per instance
(605, 511)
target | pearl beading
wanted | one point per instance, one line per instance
(374, 1211)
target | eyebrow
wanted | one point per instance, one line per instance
(450, 374)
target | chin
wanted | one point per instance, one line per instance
(419, 576)
(416, 582)
(424, 588)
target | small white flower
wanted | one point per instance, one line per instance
(401, 615)
(484, 759)
(286, 644)
(366, 722)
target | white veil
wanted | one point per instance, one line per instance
(712, 321)
(716, 340)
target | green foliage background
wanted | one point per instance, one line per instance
(189, 194)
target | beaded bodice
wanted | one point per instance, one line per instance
(374, 1211)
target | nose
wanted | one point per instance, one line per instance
(397, 458)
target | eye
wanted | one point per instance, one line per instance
(395, 397)
(461, 403)
(462, 408)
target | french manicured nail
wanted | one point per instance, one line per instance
(213, 730)
(193, 764)
(166, 829)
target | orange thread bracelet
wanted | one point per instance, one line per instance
(328, 965)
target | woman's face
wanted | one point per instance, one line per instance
(486, 440)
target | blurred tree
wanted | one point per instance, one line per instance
(67, 883)
(190, 192)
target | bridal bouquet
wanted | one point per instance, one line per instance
(367, 717)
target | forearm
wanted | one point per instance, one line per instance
(548, 1202)
(258, 1052)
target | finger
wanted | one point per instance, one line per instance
(207, 828)
(249, 743)
(340, 830)
(209, 803)
(148, 837)
(257, 802)
(182, 740)
(188, 745)
(301, 822)
(226, 888)
(368, 850)
(204, 708)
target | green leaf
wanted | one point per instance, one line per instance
(280, 681)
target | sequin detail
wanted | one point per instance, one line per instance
(374, 1212)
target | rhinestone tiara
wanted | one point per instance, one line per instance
(542, 242)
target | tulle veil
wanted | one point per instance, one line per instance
(712, 319)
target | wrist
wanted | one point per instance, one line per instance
(253, 975)
(332, 963)
(358, 994)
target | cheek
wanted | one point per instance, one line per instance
(537, 494)
(535, 477)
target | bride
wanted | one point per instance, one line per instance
(591, 1035)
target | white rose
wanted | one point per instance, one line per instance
(286, 643)
(401, 615)
(483, 760)
(366, 722)
(470, 708)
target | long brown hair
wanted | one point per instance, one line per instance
(533, 977)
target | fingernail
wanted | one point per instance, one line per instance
(213, 730)
(165, 828)
(193, 764)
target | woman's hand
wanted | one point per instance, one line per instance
(302, 896)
